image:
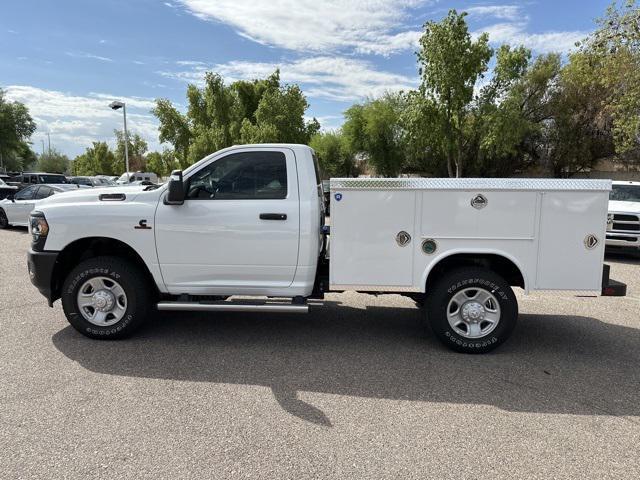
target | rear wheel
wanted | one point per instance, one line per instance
(106, 298)
(471, 310)
(4, 222)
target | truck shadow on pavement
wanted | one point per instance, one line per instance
(552, 364)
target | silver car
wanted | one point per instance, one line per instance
(15, 210)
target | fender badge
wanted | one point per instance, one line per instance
(591, 241)
(338, 197)
(142, 225)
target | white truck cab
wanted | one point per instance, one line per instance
(249, 221)
(623, 222)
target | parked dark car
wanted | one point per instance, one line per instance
(6, 190)
(37, 178)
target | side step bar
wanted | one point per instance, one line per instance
(232, 307)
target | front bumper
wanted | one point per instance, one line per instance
(41, 265)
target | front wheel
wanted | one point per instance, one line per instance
(471, 310)
(106, 298)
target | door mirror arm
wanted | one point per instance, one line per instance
(175, 194)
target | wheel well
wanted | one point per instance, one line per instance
(91, 247)
(496, 263)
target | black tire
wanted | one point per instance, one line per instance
(132, 281)
(458, 281)
(4, 221)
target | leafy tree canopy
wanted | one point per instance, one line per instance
(16, 128)
(220, 115)
(53, 162)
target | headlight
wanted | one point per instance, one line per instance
(39, 229)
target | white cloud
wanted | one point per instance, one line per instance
(512, 28)
(90, 56)
(332, 78)
(75, 121)
(365, 26)
(505, 12)
(546, 42)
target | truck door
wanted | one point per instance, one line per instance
(238, 227)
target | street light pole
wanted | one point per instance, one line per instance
(116, 105)
(126, 140)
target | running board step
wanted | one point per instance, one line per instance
(232, 307)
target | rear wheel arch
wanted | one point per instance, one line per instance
(502, 264)
(85, 248)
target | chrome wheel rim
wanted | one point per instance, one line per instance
(473, 312)
(102, 301)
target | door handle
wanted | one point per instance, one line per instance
(273, 216)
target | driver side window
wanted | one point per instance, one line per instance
(241, 176)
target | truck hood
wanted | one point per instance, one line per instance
(624, 207)
(84, 195)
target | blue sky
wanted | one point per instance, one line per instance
(68, 59)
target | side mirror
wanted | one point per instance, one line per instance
(175, 194)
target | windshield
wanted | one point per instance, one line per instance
(625, 193)
(2, 183)
(52, 179)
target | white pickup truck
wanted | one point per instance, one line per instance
(249, 221)
(623, 223)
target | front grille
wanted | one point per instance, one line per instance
(619, 217)
(632, 227)
(625, 223)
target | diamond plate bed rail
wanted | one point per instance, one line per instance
(468, 184)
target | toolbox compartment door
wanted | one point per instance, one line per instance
(572, 240)
(364, 250)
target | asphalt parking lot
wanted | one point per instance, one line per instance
(354, 390)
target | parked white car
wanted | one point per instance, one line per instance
(132, 177)
(623, 222)
(15, 211)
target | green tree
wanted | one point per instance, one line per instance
(613, 51)
(451, 63)
(16, 127)
(137, 147)
(174, 129)
(96, 160)
(54, 162)
(333, 153)
(373, 129)
(280, 118)
(162, 163)
(220, 115)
